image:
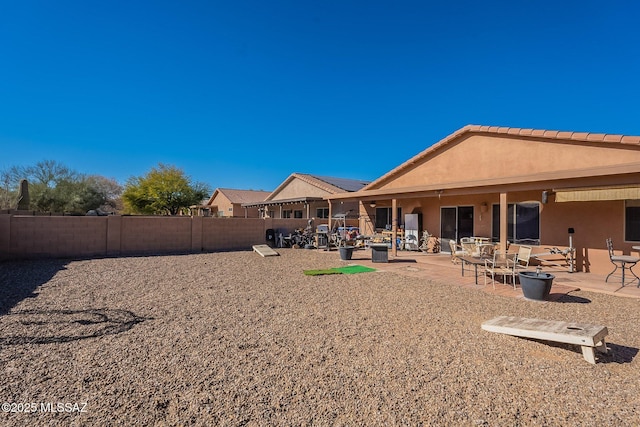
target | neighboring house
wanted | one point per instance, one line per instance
(303, 196)
(522, 186)
(226, 202)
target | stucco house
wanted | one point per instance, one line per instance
(227, 202)
(303, 196)
(522, 186)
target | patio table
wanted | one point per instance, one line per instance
(473, 260)
(476, 261)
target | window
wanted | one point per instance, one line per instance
(322, 213)
(286, 214)
(384, 218)
(523, 223)
(632, 220)
(297, 214)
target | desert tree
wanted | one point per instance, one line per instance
(54, 187)
(164, 190)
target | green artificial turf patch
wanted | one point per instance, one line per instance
(350, 269)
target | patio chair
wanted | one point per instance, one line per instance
(486, 249)
(522, 258)
(500, 264)
(469, 246)
(456, 251)
(625, 262)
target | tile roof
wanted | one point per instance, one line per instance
(242, 196)
(554, 134)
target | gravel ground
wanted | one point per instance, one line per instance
(236, 339)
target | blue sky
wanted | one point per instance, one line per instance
(240, 94)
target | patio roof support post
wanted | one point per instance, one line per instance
(394, 226)
(504, 232)
(329, 221)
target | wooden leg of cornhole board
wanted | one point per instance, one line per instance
(589, 352)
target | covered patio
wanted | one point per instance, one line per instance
(554, 191)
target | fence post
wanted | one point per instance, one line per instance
(114, 235)
(5, 236)
(196, 233)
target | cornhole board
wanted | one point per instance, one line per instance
(264, 250)
(588, 337)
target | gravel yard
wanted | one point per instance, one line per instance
(235, 339)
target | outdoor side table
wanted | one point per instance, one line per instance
(379, 252)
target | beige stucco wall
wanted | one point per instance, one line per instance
(298, 188)
(480, 157)
(222, 204)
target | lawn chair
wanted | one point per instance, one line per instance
(625, 262)
(500, 264)
(456, 251)
(523, 257)
(469, 246)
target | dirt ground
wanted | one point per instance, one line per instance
(235, 339)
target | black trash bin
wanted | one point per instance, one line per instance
(271, 237)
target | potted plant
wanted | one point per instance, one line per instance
(346, 250)
(536, 285)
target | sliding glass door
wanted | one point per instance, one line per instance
(455, 222)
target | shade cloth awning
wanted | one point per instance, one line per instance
(597, 194)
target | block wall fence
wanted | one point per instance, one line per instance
(29, 236)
